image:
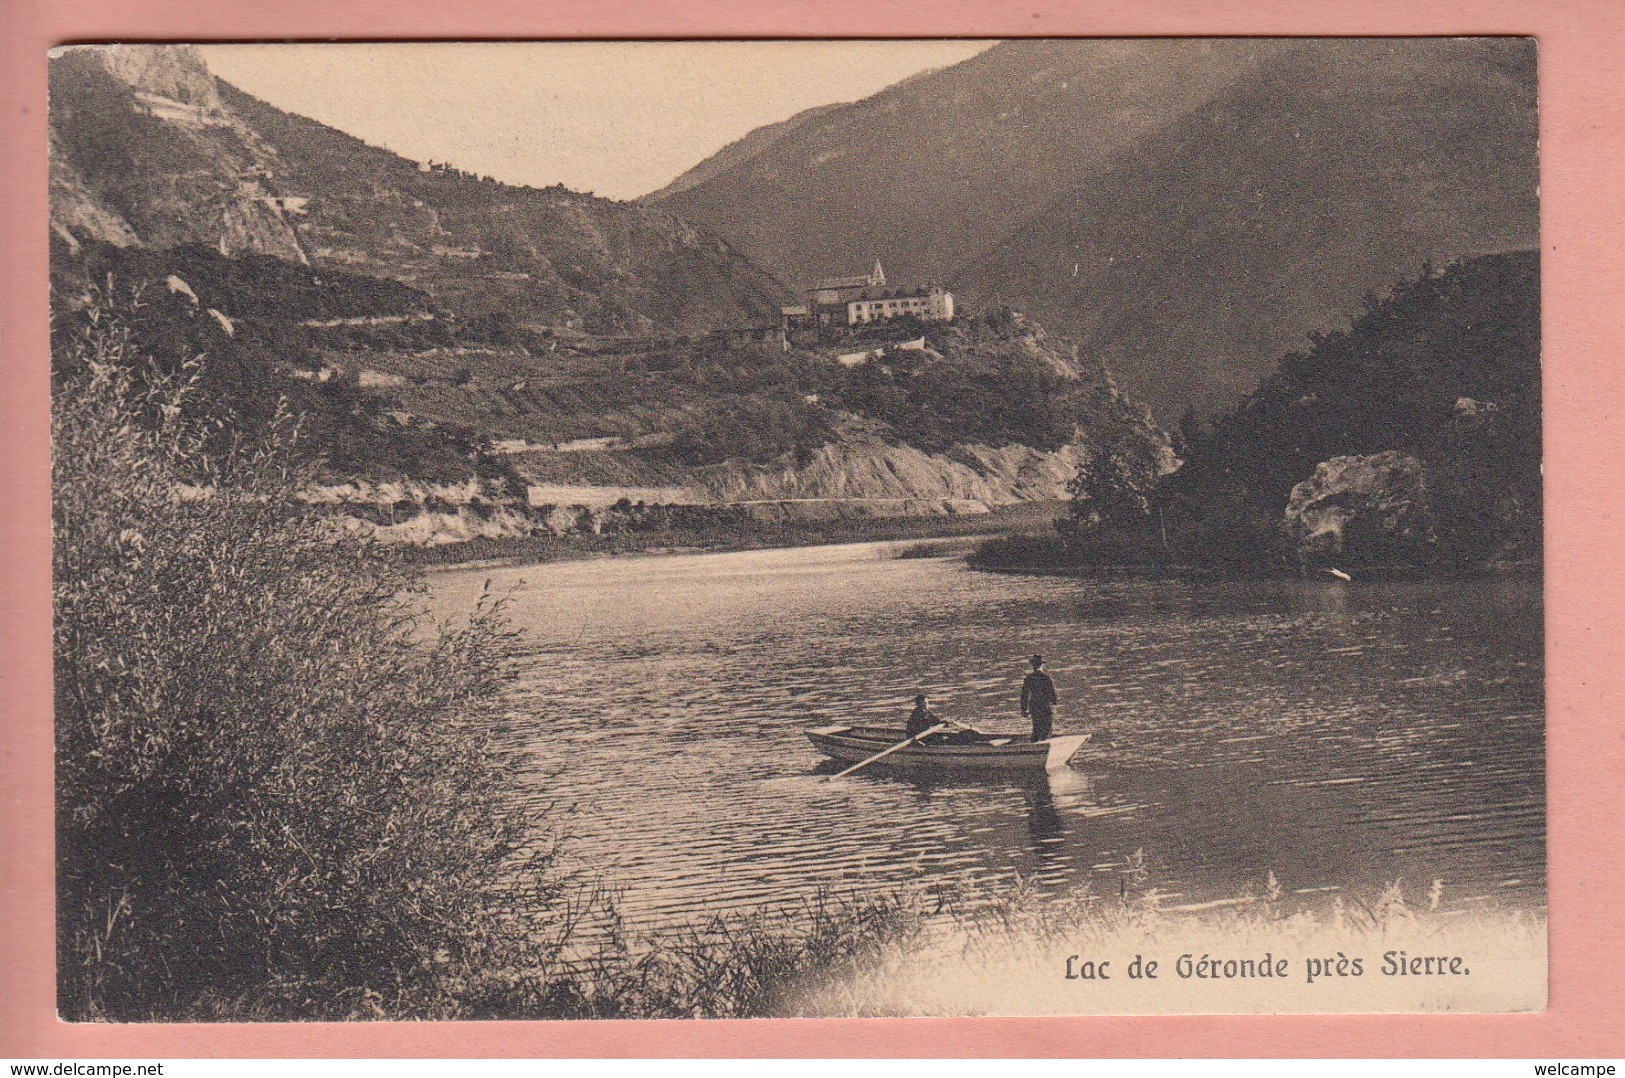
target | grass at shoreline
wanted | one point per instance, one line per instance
(930, 951)
(924, 952)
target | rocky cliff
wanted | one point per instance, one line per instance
(863, 465)
(147, 147)
(142, 150)
(1355, 509)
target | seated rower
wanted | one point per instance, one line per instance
(922, 718)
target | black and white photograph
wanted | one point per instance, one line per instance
(801, 529)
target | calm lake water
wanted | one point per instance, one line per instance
(1340, 734)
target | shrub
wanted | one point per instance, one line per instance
(755, 429)
(279, 793)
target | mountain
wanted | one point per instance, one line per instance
(945, 164)
(1191, 266)
(740, 151)
(1184, 210)
(408, 319)
(148, 148)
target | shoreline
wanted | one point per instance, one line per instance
(534, 551)
(1206, 574)
(540, 550)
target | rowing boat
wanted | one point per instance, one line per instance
(849, 744)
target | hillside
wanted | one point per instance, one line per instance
(948, 163)
(1271, 210)
(990, 413)
(148, 148)
(1186, 210)
(1413, 435)
(739, 151)
(432, 428)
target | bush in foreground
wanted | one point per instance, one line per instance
(277, 792)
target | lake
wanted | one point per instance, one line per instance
(1340, 735)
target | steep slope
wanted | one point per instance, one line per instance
(1433, 391)
(147, 147)
(740, 151)
(1187, 210)
(948, 163)
(142, 151)
(1227, 236)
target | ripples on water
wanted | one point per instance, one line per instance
(1337, 734)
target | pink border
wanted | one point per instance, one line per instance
(1583, 158)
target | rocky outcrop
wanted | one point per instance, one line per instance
(432, 528)
(1363, 509)
(146, 136)
(865, 479)
(76, 214)
(251, 223)
(174, 72)
(143, 151)
(864, 466)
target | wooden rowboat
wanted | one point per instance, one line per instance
(960, 750)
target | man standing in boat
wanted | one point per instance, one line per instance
(1038, 699)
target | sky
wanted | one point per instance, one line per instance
(618, 119)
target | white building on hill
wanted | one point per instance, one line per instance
(927, 304)
(861, 300)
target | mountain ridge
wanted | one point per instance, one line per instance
(739, 151)
(214, 165)
(987, 136)
(1334, 187)
(1134, 219)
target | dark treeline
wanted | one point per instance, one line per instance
(1410, 438)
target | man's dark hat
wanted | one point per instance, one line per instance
(1038, 660)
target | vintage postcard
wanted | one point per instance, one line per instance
(797, 529)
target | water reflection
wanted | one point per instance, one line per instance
(1336, 734)
(1044, 823)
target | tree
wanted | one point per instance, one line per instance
(1113, 492)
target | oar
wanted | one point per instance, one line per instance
(887, 752)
